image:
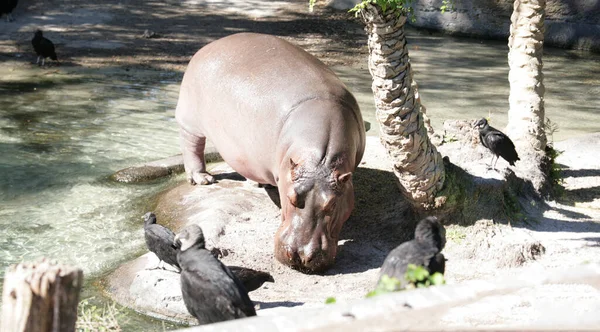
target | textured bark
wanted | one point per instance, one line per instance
(526, 114)
(417, 164)
(526, 41)
(40, 297)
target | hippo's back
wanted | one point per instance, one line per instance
(237, 91)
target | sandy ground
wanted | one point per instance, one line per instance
(241, 218)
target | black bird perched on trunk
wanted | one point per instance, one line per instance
(251, 279)
(6, 7)
(43, 47)
(211, 292)
(424, 250)
(497, 142)
(160, 240)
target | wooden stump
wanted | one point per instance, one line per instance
(40, 297)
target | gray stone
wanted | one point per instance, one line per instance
(159, 168)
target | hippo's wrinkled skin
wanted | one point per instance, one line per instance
(279, 116)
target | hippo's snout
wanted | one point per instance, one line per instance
(315, 254)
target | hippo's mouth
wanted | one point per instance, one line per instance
(315, 256)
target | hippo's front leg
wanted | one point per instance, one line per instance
(192, 147)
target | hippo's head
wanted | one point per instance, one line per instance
(316, 200)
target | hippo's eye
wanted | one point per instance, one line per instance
(295, 199)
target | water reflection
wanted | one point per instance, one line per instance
(61, 135)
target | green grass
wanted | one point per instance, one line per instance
(456, 234)
(91, 317)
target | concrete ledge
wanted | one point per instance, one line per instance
(424, 309)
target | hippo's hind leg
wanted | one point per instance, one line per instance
(192, 147)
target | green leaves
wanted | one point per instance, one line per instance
(403, 7)
(330, 300)
(415, 276)
(386, 285)
(447, 5)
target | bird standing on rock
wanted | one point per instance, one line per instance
(43, 47)
(160, 240)
(211, 292)
(497, 142)
(424, 250)
(6, 7)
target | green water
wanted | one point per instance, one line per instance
(62, 133)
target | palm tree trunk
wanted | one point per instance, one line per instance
(526, 41)
(417, 163)
(526, 113)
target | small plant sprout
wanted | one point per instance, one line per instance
(416, 276)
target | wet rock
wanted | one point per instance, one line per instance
(238, 220)
(142, 173)
(158, 169)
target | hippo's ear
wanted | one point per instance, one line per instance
(343, 178)
(295, 171)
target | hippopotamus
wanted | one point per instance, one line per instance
(278, 116)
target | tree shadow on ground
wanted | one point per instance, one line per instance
(286, 304)
(110, 29)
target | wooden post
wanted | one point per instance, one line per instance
(40, 297)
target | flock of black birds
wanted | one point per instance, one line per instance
(213, 292)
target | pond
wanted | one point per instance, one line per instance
(62, 133)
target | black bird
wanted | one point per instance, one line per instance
(251, 279)
(424, 250)
(497, 142)
(160, 240)
(211, 292)
(43, 47)
(6, 7)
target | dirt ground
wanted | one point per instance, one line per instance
(110, 33)
(241, 218)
